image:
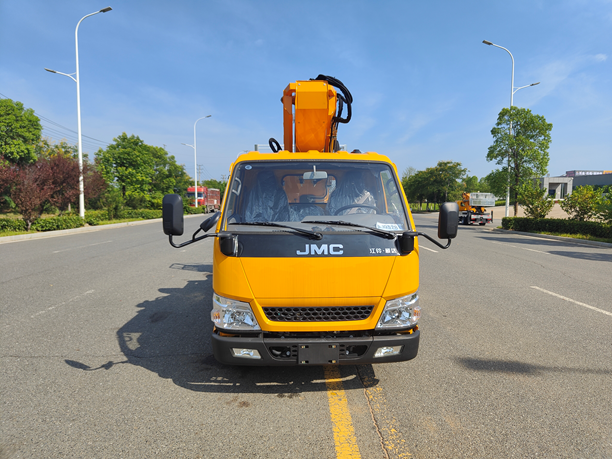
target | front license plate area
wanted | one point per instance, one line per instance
(318, 353)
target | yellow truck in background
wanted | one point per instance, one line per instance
(315, 258)
(472, 208)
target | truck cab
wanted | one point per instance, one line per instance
(315, 260)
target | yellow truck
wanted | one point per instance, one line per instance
(315, 258)
(472, 208)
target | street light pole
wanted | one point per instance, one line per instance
(196, 161)
(77, 81)
(513, 91)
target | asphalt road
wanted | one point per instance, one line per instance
(105, 352)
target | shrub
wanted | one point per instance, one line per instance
(141, 214)
(57, 223)
(582, 203)
(604, 206)
(96, 216)
(570, 227)
(113, 201)
(534, 200)
(192, 210)
(12, 225)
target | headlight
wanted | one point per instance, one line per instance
(233, 314)
(400, 312)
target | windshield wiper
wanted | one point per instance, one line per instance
(377, 231)
(312, 234)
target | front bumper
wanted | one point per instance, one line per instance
(296, 351)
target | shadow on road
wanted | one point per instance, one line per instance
(171, 337)
(518, 367)
(597, 257)
(549, 245)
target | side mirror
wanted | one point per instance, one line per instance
(407, 243)
(448, 220)
(209, 223)
(228, 244)
(172, 214)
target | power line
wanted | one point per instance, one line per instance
(47, 120)
(54, 134)
(57, 132)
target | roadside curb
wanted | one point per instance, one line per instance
(71, 231)
(553, 237)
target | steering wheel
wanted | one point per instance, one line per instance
(349, 206)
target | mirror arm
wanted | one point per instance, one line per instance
(193, 240)
(432, 239)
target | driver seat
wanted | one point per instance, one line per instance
(351, 190)
(267, 201)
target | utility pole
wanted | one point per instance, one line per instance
(200, 174)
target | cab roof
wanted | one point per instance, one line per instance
(311, 155)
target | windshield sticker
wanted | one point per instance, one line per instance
(383, 226)
(248, 167)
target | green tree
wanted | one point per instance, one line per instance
(416, 187)
(484, 186)
(604, 205)
(169, 176)
(582, 203)
(536, 201)
(443, 182)
(218, 184)
(406, 175)
(497, 182)
(20, 131)
(471, 184)
(522, 139)
(446, 181)
(46, 149)
(142, 173)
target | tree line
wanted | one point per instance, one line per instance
(520, 148)
(38, 176)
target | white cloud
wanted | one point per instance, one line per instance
(418, 120)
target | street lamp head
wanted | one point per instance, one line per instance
(49, 70)
(104, 10)
(208, 116)
(534, 84)
(487, 43)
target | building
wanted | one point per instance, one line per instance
(557, 187)
(576, 173)
(560, 186)
(599, 179)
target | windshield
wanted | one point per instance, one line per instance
(191, 194)
(304, 193)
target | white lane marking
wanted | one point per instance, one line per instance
(519, 247)
(427, 249)
(571, 300)
(81, 247)
(62, 304)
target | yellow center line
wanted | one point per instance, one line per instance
(344, 435)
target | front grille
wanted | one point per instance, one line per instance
(317, 314)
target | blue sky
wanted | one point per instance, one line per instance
(425, 88)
